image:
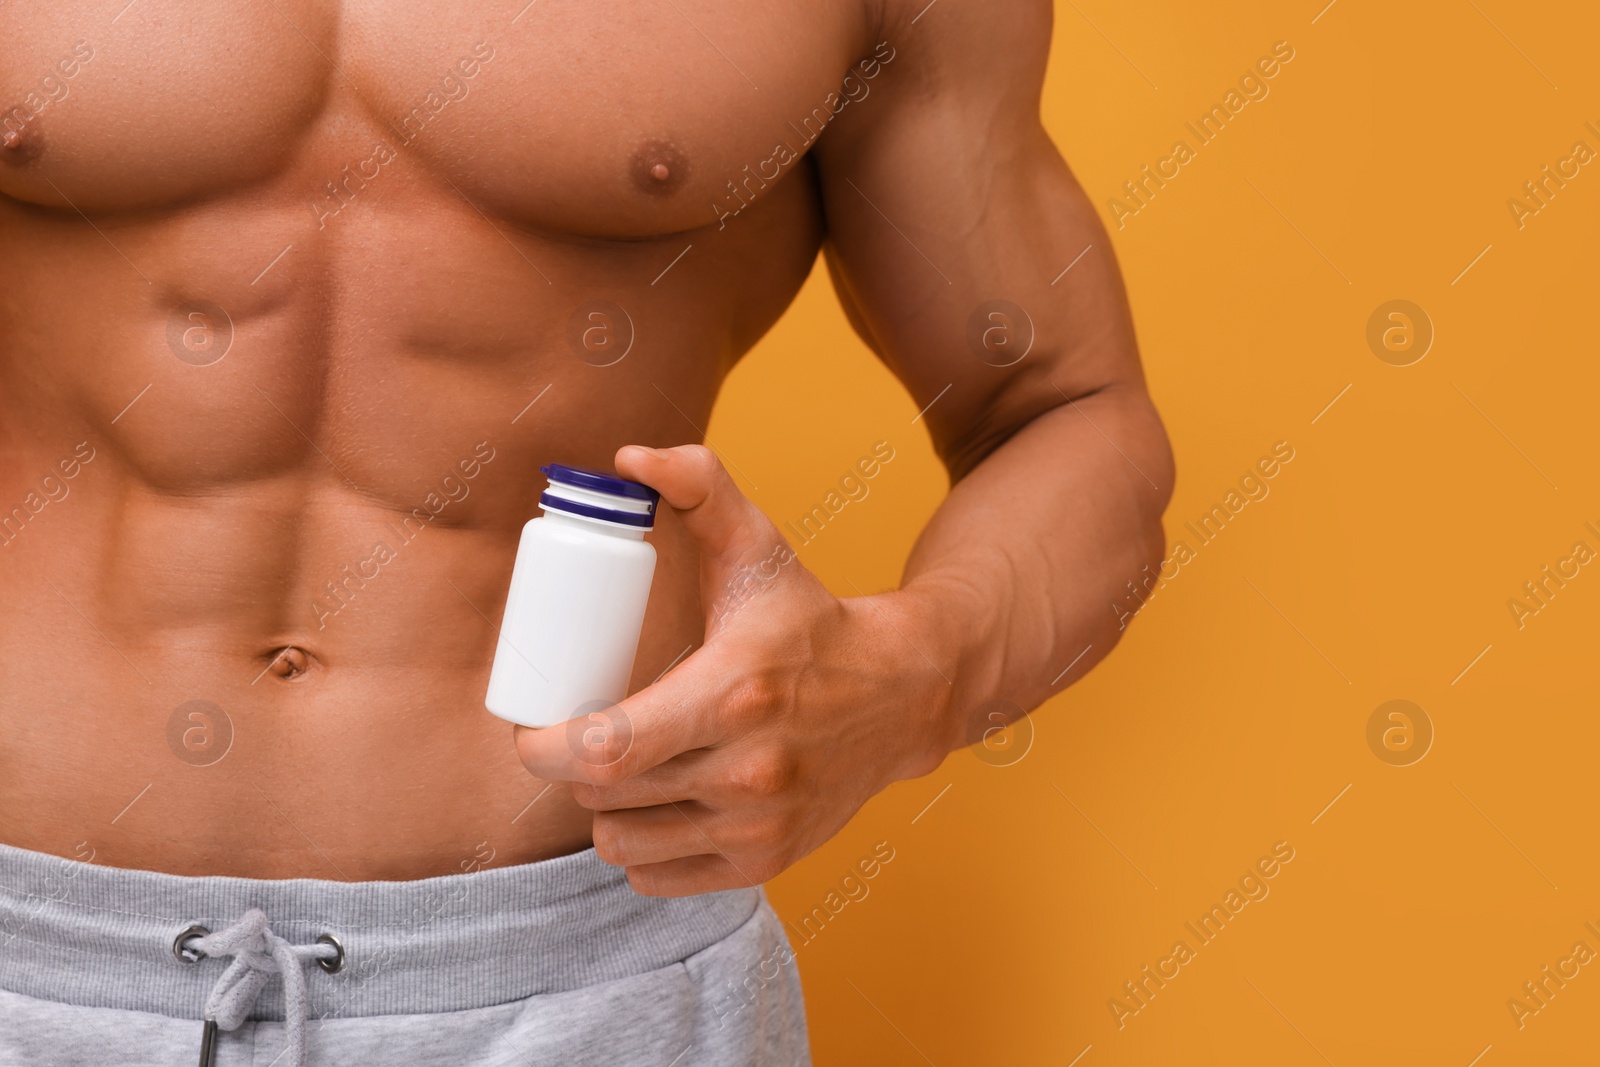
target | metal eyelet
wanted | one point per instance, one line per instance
(334, 965)
(189, 955)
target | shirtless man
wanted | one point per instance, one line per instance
(295, 298)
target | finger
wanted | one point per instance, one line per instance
(728, 527)
(689, 776)
(657, 834)
(693, 875)
(694, 482)
(661, 721)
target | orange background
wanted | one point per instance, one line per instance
(1378, 568)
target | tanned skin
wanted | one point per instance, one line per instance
(383, 330)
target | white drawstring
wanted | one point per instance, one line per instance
(257, 954)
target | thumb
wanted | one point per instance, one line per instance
(732, 532)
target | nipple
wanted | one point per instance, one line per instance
(18, 143)
(659, 168)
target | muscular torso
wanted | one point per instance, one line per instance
(279, 282)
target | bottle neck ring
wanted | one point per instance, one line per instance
(607, 508)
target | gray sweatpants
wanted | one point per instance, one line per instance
(557, 962)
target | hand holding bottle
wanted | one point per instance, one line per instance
(763, 742)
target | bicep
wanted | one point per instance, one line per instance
(952, 222)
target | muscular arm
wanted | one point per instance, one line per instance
(944, 196)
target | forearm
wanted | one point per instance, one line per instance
(1022, 569)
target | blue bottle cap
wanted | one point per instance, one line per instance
(599, 495)
(599, 481)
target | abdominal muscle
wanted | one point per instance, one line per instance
(172, 703)
(229, 683)
(250, 606)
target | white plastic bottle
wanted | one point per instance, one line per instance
(576, 605)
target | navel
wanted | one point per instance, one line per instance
(289, 662)
(659, 168)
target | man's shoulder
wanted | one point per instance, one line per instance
(959, 21)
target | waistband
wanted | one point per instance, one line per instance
(100, 936)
